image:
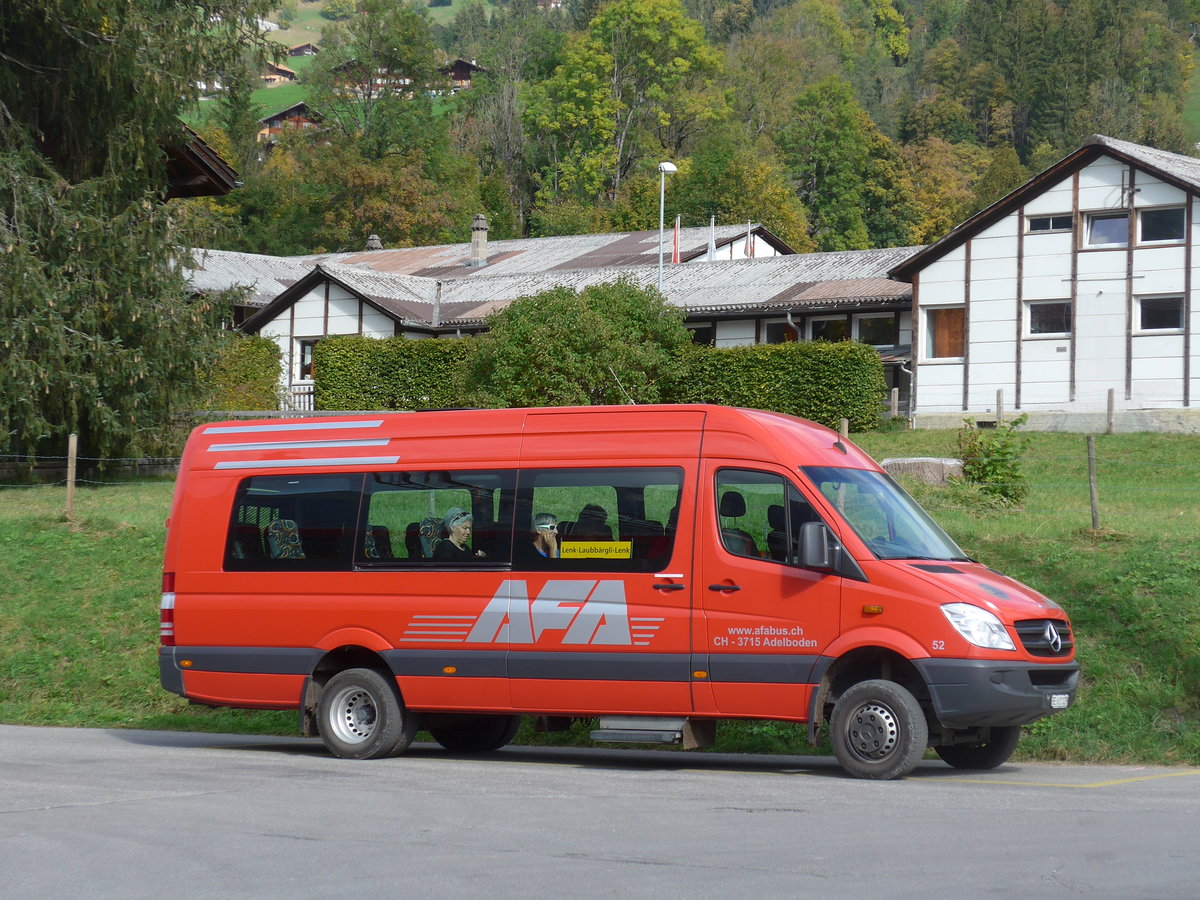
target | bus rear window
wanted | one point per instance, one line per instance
(293, 523)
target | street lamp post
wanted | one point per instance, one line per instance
(664, 169)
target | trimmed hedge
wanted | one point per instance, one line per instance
(246, 375)
(820, 381)
(361, 373)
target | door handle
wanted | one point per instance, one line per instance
(667, 586)
(725, 588)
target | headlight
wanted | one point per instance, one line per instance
(978, 626)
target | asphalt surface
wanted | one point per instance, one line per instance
(130, 814)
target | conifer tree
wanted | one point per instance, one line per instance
(101, 337)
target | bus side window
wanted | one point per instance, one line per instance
(403, 517)
(608, 519)
(293, 523)
(760, 514)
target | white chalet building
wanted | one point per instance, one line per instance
(1075, 291)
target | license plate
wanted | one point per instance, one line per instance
(1060, 701)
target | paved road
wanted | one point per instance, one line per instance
(131, 814)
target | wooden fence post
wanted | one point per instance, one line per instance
(1112, 405)
(895, 402)
(72, 449)
(1091, 453)
(844, 427)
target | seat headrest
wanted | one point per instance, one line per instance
(776, 518)
(733, 504)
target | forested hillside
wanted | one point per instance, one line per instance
(839, 124)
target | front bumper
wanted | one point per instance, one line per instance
(967, 693)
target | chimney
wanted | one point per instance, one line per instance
(374, 243)
(479, 230)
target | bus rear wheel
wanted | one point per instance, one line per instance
(360, 716)
(995, 751)
(878, 730)
(477, 734)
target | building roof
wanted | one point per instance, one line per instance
(266, 276)
(1173, 168)
(281, 68)
(296, 109)
(219, 269)
(195, 169)
(812, 282)
(526, 255)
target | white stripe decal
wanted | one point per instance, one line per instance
(297, 445)
(315, 461)
(289, 426)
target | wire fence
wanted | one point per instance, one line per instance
(1121, 488)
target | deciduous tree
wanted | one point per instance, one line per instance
(639, 79)
(847, 174)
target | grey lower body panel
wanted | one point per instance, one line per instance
(170, 674)
(969, 693)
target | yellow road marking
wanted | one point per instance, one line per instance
(1094, 784)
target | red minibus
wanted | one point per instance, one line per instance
(651, 569)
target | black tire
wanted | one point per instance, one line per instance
(477, 734)
(361, 716)
(995, 751)
(878, 730)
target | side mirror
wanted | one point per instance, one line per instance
(817, 551)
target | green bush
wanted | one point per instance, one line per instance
(821, 381)
(608, 344)
(992, 459)
(361, 373)
(246, 375)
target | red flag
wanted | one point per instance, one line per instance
(675, 251)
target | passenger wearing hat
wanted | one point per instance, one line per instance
(458, 532)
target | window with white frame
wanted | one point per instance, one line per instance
(1158, 226)
(1160, 314)
(877, 330)
(1045, 318)
(1107, 229)
(945, 332)
(828, 328)
(304, 358)
(1060, 222)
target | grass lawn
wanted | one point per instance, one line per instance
(305, 28)
(1191, 103)
(309, 21)
(78, 625)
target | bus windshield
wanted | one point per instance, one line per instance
(889, 521)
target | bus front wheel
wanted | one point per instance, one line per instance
(878, 730)
(361, 716)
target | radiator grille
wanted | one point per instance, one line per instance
(1037, 637)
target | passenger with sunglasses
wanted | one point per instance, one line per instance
(545, 535)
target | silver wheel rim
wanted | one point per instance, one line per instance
(353, 715)
(872, 732)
